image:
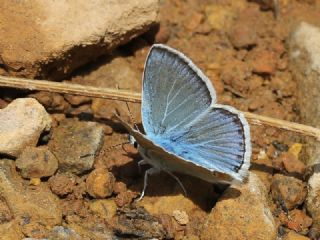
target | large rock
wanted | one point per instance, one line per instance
(50, 38)
(241, 213)
(32, 208)
(305, 64)
(75, 144)
(21, 124)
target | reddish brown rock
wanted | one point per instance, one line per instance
(36, 162)
(287, 190)
(51, 101)
(243, 33)
(292, 164)
(100, 183)
(232, 219)
(299, 221)
(124, 198)
(262, 61)
(119, 187)
(62, 184)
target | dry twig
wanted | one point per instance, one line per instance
(120, 95)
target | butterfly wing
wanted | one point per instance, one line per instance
(174, 91)
(180, 115)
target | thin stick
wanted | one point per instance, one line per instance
(121, 95)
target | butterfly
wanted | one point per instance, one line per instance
(186, 131)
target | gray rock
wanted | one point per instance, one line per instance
(21, 124)
(50, 38)
(37, 162)
(30, 206)
(304, 46)
(75, 144)
(241, 213)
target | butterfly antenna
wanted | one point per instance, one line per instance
(115, 146)
(132, 118)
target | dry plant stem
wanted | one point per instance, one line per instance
(120, 95)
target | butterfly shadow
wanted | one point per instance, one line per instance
(201, 193)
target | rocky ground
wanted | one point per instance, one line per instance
(60, 177)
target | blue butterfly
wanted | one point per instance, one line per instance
(186, 130)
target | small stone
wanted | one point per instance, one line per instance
(243, 33)
(105, 208)
(51, 101)
(181, 217)
(230, 218)
(299, 221)
(295, 149)
(288, 191)
(291, 235)
(194, 21)
(21, 124)
(124, 198)
(62, 184)
(75, 144)
(262, 61)
(37, 162)
(292, 164)
(119, 187)
(76, 100)
(100, 183)
(35, 181)
(220, 17)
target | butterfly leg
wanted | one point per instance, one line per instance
(150, 171)
(178, 180)
(140, 163)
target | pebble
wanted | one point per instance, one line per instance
(232, 219)
(291, 235)
(194, 21)
(51, 101)
(181, 217)
(220, 17)
(243, 33)
(21, 124)
(262, 61)
(299, 221)
(100, 183)
(105, 208)
(75, 144)
(119, 187)
(76, 100)
(288, 191)
(292, 164)
(124, 198)
(62, 184)
(36, 162)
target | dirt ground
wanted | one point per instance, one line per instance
(241, 47)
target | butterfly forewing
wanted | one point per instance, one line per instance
(174, 91)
